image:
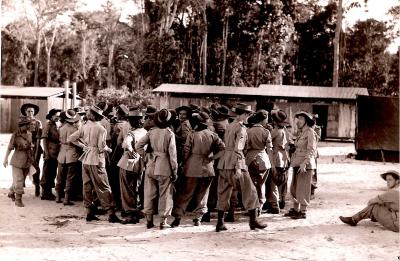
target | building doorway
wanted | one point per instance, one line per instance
(322, 120)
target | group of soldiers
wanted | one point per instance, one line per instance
(146, 162)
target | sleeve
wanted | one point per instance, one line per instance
(101, 142)
(75, 136)
(311, 146)
(128, 141)
(240, 138)
(186, 129)
(219, 145)
(172, 153)
(187, 148)
(45, 131)
(139, 146)
(11, 144)
(268, 140)
(389, 196)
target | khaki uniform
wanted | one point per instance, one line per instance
(94, 174)
(161, 164)
(306, 149)
(51, 140)
(131, 171)
(21, 160)
(385, 211)
(259, 140)
(67, 160)
(198, 171)
(36, 130)
(233, 170)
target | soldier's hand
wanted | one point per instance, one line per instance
(5, 163)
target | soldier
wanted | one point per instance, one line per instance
(161, 168)
(67, 159)
(93, 142)
(233, 171)
(257, 159)
(31, 110)
(198, 170)
(303, 163)
(21, 160)
(280, 142)
(183, 129)
(131, 168)
(51, 147)
(384, 208)
(318, 132)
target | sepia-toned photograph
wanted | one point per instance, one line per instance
(193, 130)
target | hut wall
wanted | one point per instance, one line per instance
(5, 112)
(346, 121)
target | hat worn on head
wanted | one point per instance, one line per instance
(201, 118)
(71, 116)
(163, 117)
(123, 109)
(259, 116)
(184, 108)
(135, 112)
(52, 112)
(103, 106)
(243, 107)
(194, 107)
(279, 116)
(80, 110)
(394, 174)
(151, 109)
(29, 105)
(23, 120)
(307, 116)
(96, 110)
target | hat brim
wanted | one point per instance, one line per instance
(393, 173)
(183, 108)
(72, 120)
(29, 105)
(95, 112)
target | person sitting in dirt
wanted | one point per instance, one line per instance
(384, 208)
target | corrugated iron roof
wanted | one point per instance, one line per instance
(284, 91)
(30, 91)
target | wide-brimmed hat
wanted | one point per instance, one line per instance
(394, 173)
(201, 118)
(80, 110)
(162, 118)
(23, 120)
(217, 116)
(309, 118)
(195, 108)
(62, 116)
(71, 116)
(279, 116)
(150, 110)
(52, 112)
(242, 107)
(135, 112)
(259, 116)
(184, 108)
(29, 105)
(103, 106)
(123, 109)
(97, 110)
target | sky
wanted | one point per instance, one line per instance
(376, 9)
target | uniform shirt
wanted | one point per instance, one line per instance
(52, 137)
(163, 160)
(259, 139)
(107, 125)
(306, 149)
(122, 128)
(133, 136)
(182, 132)
(389, 199)
(36, 130)
(280, 145)
(235, 139)
(93, 138)
(220, 127)
(198, 148)
(68, 153)
(23, 154)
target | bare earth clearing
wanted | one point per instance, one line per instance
(44, 230)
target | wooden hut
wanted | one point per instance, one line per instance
(335, 106)
(12, 97)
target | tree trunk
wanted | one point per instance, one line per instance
(259, 54)
(48, 79)
(83, 56)
(205, 47)
(110, 64)
(336, 45)
(48, 47)
(37, 57)
(225, 47)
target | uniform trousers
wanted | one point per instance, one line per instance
(259, 180)
(65, 177)
(19, 175)
(50, 166)
(129, 182)
(300, 189)
(387, 218)
(161, 186)
(196, 188)
(228, 180)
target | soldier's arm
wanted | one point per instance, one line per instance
(172, 153)
(140, 145)
(187, 148)
(9, 149)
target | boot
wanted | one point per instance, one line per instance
(176, 222)
(37, 190)
(253, 223)
(299, 215)
(58, 198)
(220, 223)
(292, 212)
(196, 222)
(348, 220)
(130, 220)
(11, 195)
(67, 202)
(282, 204)
(18, 200)
(112, 218)
(164, 224)
(230, 217)
(206, 217)
(150, 223)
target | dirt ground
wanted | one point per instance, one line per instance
(44, 230)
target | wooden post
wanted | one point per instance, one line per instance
(73, 104)
(66, 94)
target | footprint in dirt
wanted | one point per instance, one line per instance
(61, 220)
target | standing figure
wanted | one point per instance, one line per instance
(131, 167)
(303, 163)
(67, 159)
(31, 110)
(383, 208)
(198, 170)
(161, 168)
(21, 160)
(92, 139)
(257, 159)
(280, 142)
(182, 130)
(51, 148)
(233, 171)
